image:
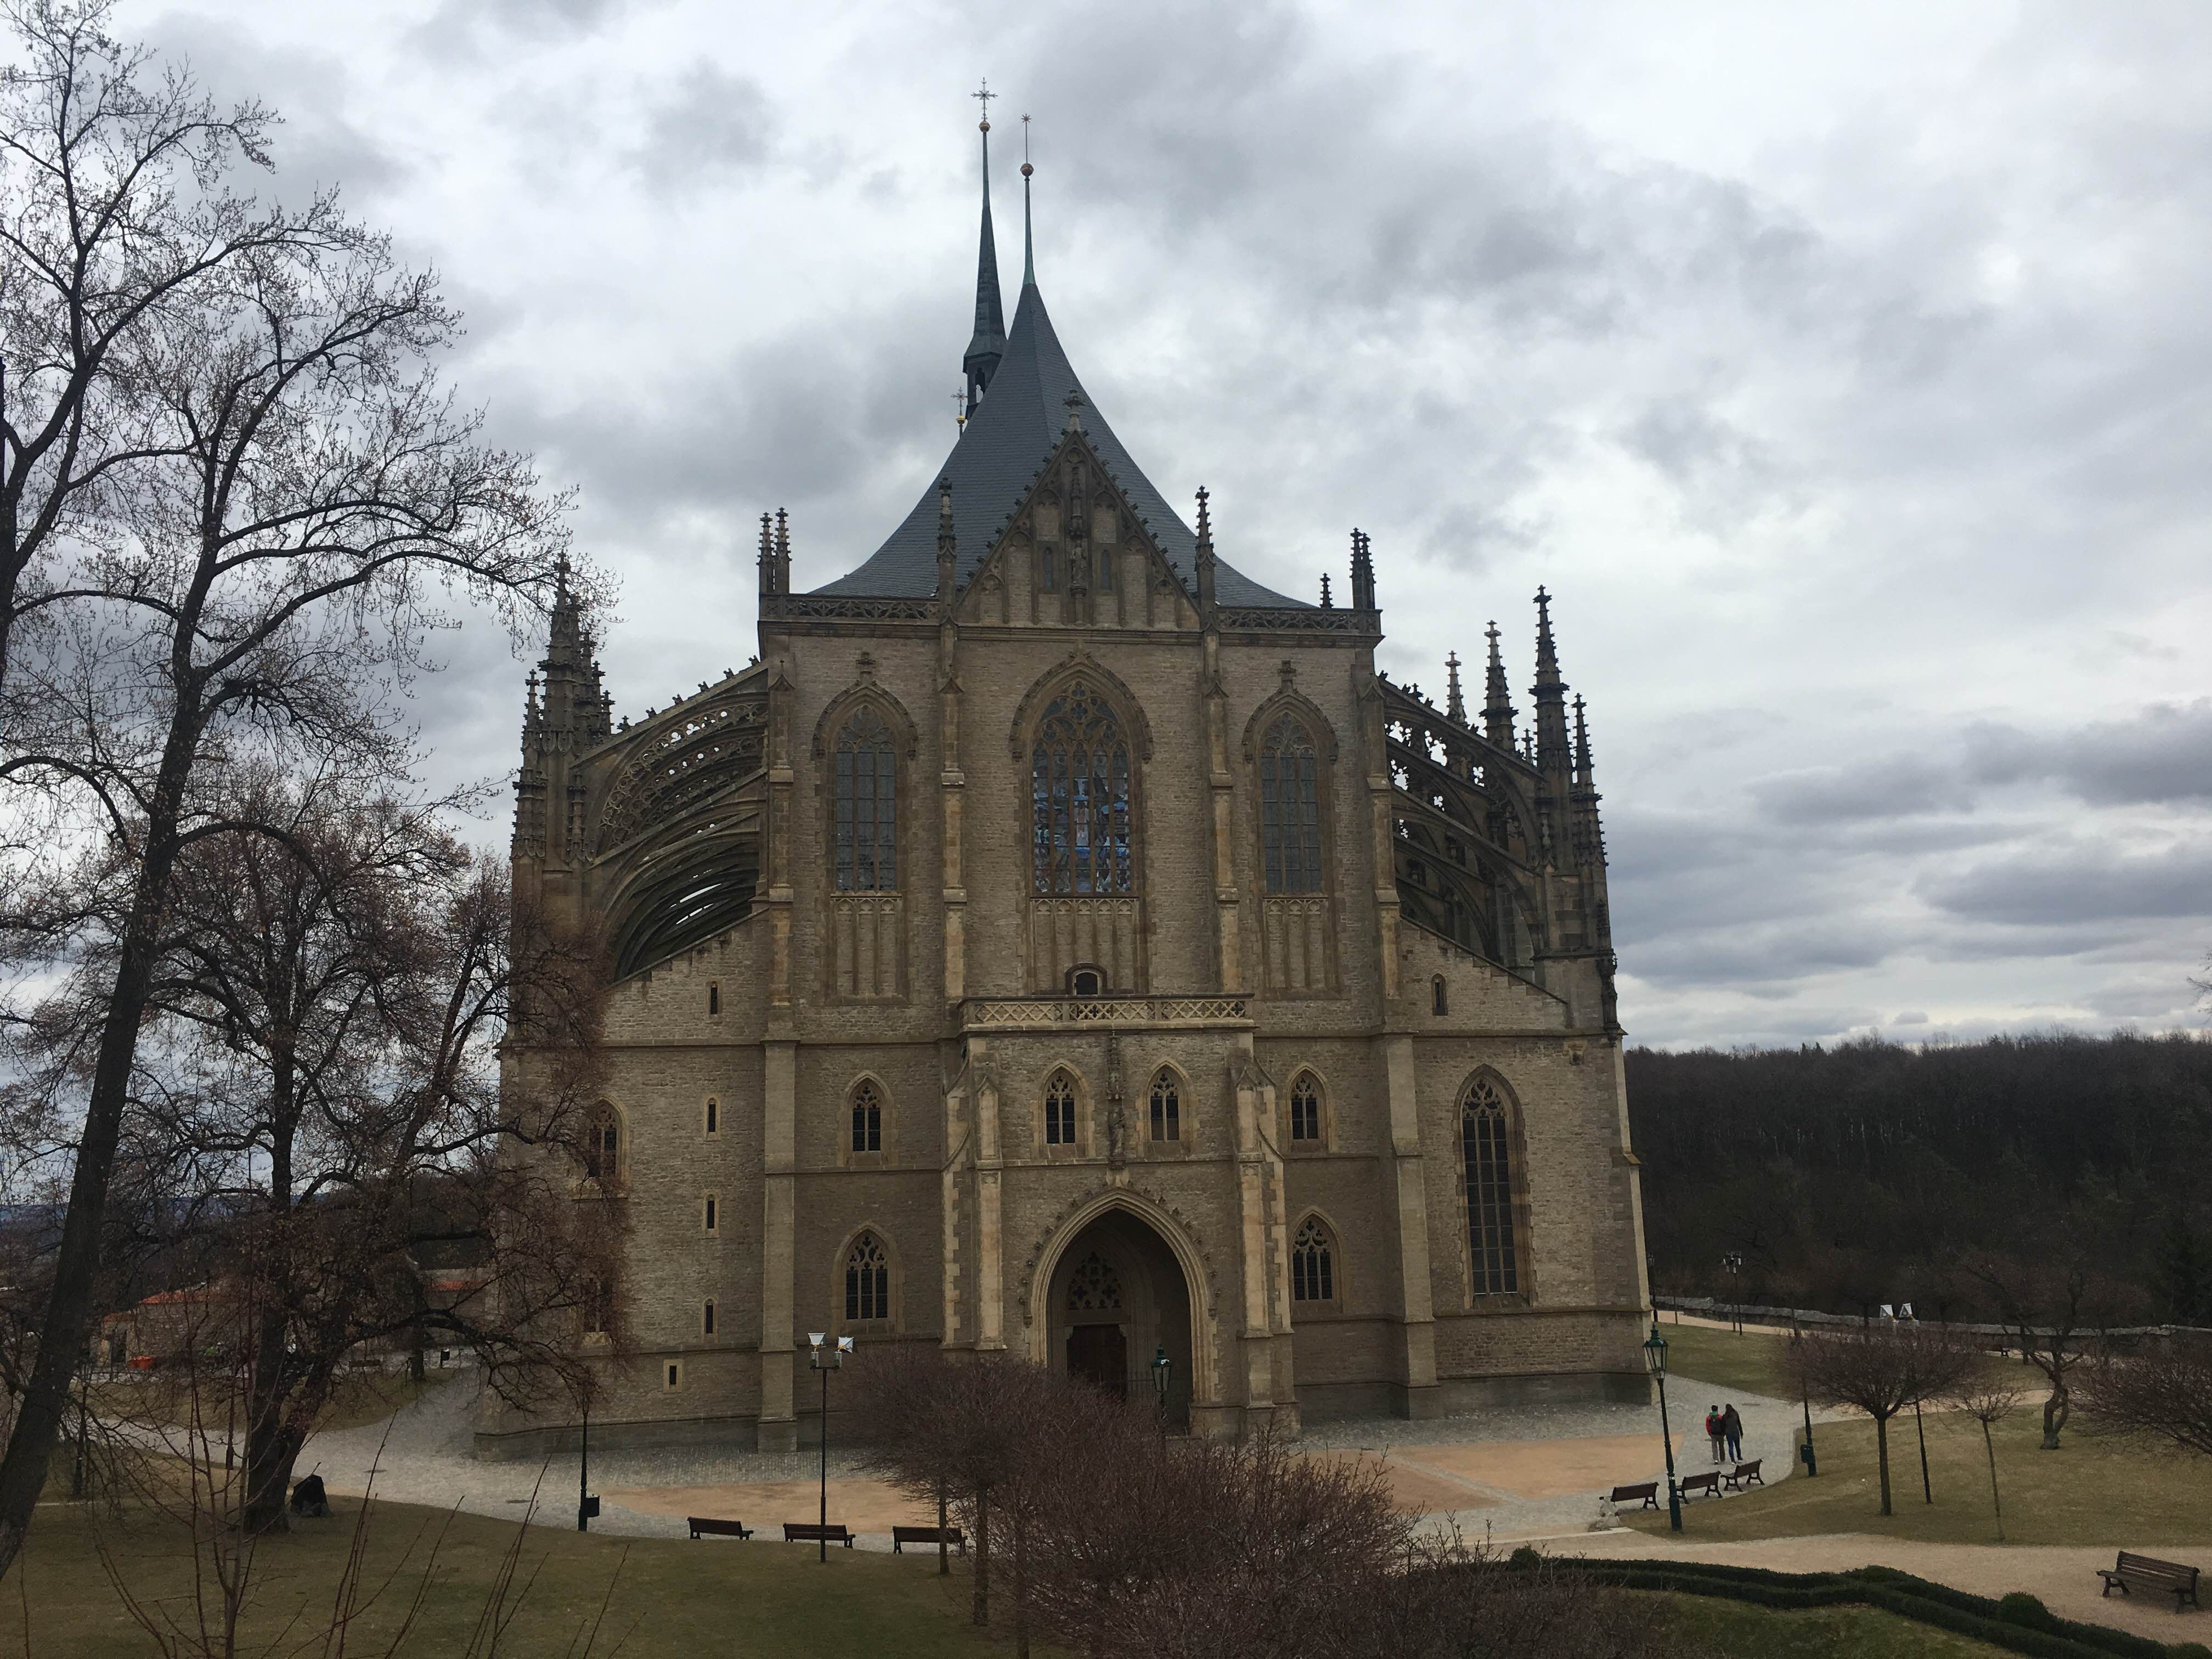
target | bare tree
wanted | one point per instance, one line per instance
(337, 997)
(1990, 1403)
(2051, 1302)
(320, 489)
(1880, 1371)
(2162, 1394)
(115, 213)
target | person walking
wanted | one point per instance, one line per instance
(1732, 1432)
(1713, 1431)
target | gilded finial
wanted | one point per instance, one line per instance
(984, 98)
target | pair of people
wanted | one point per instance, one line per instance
(1725, 1429)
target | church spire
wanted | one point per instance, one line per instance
(1498, 710)
(1455, 702)
(1029, 242)
(988, 343)
(1550, 694)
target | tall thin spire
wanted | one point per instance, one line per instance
(1455, 703)
(988, 343)
(1029, 242)
(1550, 695)
(1498, 710)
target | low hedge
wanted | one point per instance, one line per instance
(1908, 1597)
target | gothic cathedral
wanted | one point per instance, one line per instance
(1061, 947)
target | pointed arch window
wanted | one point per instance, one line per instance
(867, 1281)
(1313, 1263)
(1167, 1107)
(1486, 1151)
(601, 1146)
(1305, 1108)
(1080, 782)
(867, 1118)
(1290, 809)
(1060, 1110)
(865, 770)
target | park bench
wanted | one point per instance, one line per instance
(2147, 1571)
(952, 1535)
(705, 1526)
(1648, 1491)
(1745, 1476)
(806, 1532)
(1690, 1485)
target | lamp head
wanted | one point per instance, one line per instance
(1655, 1351)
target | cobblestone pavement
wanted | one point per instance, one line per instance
(1511, 1472)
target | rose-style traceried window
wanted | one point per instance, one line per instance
(1080, 782)
(865, 769)
(1094, 1286)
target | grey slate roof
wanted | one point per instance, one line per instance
(998, 454)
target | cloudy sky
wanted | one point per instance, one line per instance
(1843, 370)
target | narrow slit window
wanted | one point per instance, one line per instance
(707, 1317)
(713, 1115)
(1438, 1002)
(714, 996)
(712, 1210)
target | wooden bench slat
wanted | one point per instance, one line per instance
(1646, 1490)
(809, 1532)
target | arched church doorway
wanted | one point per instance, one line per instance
(1118, 1300)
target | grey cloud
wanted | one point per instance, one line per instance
(1759, 962)
(316, 144)
(469, 30)
(2084, 882)
(2162, 753)
(2164, 998)
(1910, 1017)
(1899, 786)
(710, 123)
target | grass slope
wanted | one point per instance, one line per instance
(2088, 1492)
(671, 1597)
(1716, 1629)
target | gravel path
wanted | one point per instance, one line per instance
(1506, 1461)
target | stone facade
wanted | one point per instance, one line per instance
(1399, 1178)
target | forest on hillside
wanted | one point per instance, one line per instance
(1850, 1175)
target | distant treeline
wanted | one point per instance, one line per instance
(1867, 1173)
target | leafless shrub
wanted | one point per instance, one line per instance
(2162, 1393)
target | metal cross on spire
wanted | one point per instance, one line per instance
(984, 97)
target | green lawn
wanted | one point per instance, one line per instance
(2090, 1491)
(1752, 1362)
(671, 1597)
(1714, 1628)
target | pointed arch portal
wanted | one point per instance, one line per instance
(1117, 1296)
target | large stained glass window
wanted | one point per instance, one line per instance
(1485, 1147)
(1080, 786)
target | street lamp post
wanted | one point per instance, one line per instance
(1733, 1261)
(1805, 1399)
(1654, 1358)
(1162, 1365)
(826, 1359)
(587, 1507)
